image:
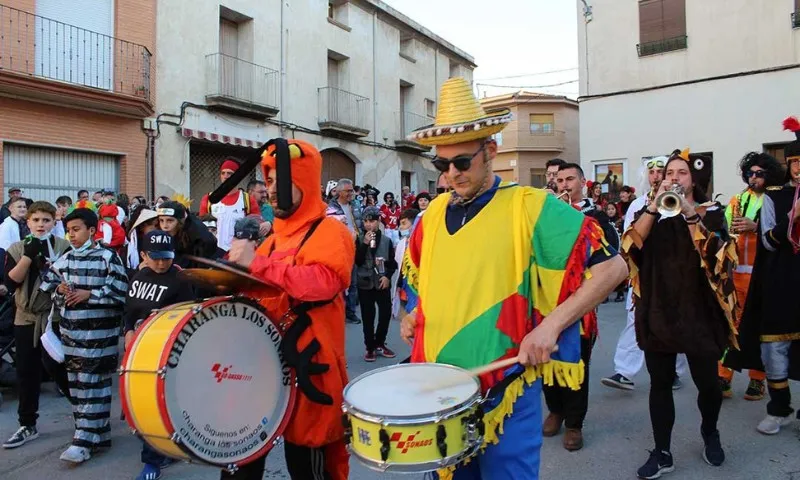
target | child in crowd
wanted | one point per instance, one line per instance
(157, 275)
(375, 265)
(90, 284)
(25, 261)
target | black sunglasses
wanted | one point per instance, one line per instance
(756, 173)
(461, 162)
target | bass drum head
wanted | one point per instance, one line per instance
(403, 391)
(227, 390)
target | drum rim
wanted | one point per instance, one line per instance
(420, 467)
(439, 415)
(272, 441)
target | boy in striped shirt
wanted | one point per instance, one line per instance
(90, 286)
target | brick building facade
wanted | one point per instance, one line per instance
(77, 79)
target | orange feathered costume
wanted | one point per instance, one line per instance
(318, 271)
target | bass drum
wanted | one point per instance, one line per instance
(206, 382)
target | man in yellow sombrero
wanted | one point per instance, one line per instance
(495, 270)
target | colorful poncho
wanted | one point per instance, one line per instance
(479, 291)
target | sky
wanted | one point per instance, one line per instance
(508, 38)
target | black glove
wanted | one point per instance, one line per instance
(33, 247)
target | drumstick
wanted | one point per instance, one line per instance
(475, 372)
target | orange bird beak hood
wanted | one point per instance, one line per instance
(305, 165)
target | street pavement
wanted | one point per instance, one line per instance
(617, 432)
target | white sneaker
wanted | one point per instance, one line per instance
(76, 454)
(772, 424)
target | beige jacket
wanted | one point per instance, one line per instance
(33, 309)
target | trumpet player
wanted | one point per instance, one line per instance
(565, 405)
(769, 333)
(758, 171)
(680, 307)
(629, 358)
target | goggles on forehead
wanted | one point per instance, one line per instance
(655, 164)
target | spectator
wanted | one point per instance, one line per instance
(13, 194)
(236, 205)
(258, 192)
(422, 201)
(83, 195)
(14, 228)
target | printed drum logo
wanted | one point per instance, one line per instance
(224, 374)
(405, 445)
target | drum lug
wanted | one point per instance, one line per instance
(161, 372)
(175, 438)
(441, 436)
(348, 430)
(197, 309)
(133, 431)
(232, 468)
(385, 445)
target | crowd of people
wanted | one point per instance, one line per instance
(709, 289)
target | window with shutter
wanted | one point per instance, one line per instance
(662, 26)
(796, 14)
(541, 124)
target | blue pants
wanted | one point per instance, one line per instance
(516, 455)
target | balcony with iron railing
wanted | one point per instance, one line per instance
(343, 112)
(407, 123)
(526, 141)
(662, 46)
(241, 86)
(44, 59)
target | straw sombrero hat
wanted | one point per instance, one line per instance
(460, 117)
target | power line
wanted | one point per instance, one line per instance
(523, 75)
(527, 86)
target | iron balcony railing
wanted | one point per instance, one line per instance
(796, 20)
(662, 46)
(342, 107)
(45, 48)
(239, 80)
(412, 121)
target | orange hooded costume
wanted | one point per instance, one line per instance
(316, 272)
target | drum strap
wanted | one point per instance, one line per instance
(301, 361)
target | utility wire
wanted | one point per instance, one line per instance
(526, 86)
(523, 75)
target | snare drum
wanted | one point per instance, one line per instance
(205, 382)
(393, 425)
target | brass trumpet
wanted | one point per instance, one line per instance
(670, 202)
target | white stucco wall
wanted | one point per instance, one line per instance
(724, 36)
(727, 117)
(374, 70)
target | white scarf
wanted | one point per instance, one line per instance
(133, 251)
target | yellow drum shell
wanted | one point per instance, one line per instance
(141, 366)
(410, 445)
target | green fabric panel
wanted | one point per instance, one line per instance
(554, 236)
(478, 343)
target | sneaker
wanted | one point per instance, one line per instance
(725, 386)
(618, 381)
(772, 424)
(659, 463)
(353, 320)
(370, 356)
(76, 454)
(713, 453)
(755, 390)
(149, 472)
(385, 351)
(677, 384)
(21, 437)
(167, 462)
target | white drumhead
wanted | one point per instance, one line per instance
(226, 387)
(405, 390)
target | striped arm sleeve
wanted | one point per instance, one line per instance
(114, 291)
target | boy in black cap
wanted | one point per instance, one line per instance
(375, 265)
(91, 285)
(154, 286)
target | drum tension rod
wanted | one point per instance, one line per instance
(348, 429)
(385, 445)
(441, 436)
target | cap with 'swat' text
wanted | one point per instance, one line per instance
(159, 245)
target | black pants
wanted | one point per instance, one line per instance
(29, 361)
(368, 298)
(300, 461)
(661, 367)
(572, 404)
(150, 456)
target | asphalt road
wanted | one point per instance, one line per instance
(617, 433)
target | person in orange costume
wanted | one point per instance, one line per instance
(309, 258)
